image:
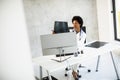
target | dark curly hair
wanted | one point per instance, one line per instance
(78, 19)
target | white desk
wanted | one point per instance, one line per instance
(51, 66)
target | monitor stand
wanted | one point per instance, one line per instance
(61, 51)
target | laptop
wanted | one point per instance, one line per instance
(96, 44)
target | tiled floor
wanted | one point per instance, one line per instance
(106, 69)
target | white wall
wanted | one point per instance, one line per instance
(105, 20)
(15, 55)
(41, 14)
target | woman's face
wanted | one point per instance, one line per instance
(76, 26)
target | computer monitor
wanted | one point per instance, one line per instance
(53, 44)
(61, 27)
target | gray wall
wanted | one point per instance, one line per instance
(41, 14)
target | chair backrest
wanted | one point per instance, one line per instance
(84, 29)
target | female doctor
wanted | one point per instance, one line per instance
(77, 22)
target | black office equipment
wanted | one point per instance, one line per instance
(96, 44)
(61, 27)
(66, 54)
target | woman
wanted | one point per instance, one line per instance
(77, 22)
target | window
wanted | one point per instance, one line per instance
(116, 17)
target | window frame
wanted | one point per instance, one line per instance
(115, 20)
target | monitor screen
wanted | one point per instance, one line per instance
(51, 42)
(61, 27)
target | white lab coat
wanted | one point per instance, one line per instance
(81, 37)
